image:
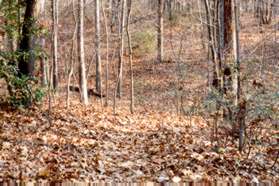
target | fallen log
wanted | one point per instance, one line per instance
(90, 91)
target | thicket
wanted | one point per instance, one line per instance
(23, 89)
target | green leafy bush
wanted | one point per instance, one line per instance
(23, 90)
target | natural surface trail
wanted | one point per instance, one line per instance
(86, 144)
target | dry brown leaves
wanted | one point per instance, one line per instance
(88, 145)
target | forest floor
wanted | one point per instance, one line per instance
(153, 144)
(88, 144)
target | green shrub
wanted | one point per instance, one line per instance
(23, 90)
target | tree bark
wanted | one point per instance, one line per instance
(129, 9)
(228, 20)
(97, 47)
(236, 52)
(43, 61)
(265, 10)
(240, 105)
(107, 51)
(26, 64)
(54, 4)
(72, 57)
(80, 46)
(228, 47)
(240, 120)
(160, 31)
(121, 49)
(212, 45)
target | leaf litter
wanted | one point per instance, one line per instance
(86, 144)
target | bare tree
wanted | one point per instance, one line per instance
(80, 46)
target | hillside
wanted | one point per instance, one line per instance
(206, 109)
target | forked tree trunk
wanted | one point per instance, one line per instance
(80, 46)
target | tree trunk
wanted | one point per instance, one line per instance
(107, 51)
(170, 9)
(265, 11)
(228, 20)
(121, 49)
(240, 105)
(129, 9)
(43, 61)
(97, 47)
(212, 45)
(43, 65)
(80, 46)
(160, 31)
(26, 64)
(236, 52)
(240, 121)
(228, 46)
(72, 57)
(114, 14)
(54, 8)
